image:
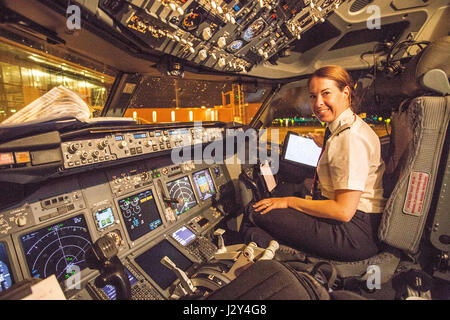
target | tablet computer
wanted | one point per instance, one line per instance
(300, 150)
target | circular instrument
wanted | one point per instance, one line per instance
(191, 21)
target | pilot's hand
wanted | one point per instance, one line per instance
(265, 205)
(318, 139)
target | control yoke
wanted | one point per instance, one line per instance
(102, 256)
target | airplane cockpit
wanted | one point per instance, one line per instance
(129, 159)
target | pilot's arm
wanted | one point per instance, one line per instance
(343, 208)
(348, 172)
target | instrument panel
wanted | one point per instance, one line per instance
(225, 35)
(150, 207)
(123, 145)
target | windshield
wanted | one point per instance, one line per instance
(168, 99)
(289, 110)
(26, 75)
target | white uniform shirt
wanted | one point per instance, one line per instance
(352, 160)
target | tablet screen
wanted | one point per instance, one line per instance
(302, 150)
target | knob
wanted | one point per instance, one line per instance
(202, 54)
(84, 155)
(148, 143)
(122, 144)
(206, 33)
(102, 145)
(173, 6)
(221, 42)
(95, 154)
(73, 147)
(21, 221)
(221, 62)
(260, 51)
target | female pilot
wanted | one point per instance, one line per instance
(342, 223)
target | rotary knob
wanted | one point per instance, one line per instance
(202, 54)
(206, 33)
(73, 147)
(221, 42)
(21, 221)
(103, 144)
(122, 144)
(221, 62)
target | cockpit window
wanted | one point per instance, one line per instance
(27, 74)
(289, 110)
(167, 99)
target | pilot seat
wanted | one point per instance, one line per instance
(415, 222)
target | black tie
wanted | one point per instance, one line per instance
(314, 191)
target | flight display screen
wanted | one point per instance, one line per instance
(204, 184)
(150, 262)
(57, 249)
(182, 189)
(104, 218)
(183, 236)
(140, 214)
(6, 279)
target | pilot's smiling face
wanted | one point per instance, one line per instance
(326, 99)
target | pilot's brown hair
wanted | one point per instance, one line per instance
(339, 75)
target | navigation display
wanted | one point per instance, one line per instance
(150, 262)
(57, 249)
(204, 184)
(182, 189)
(140, 214)
(6, 279)
(184, 236)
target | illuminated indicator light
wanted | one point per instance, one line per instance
(6, 158)
(380, 119)
(22, 157)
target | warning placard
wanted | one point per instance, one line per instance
(416, 193)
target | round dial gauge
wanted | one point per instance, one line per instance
(192, 21)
